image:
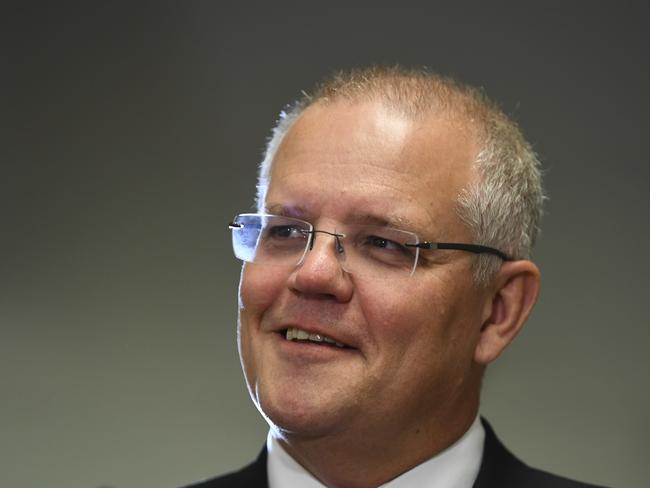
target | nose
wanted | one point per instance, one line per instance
(320, 272)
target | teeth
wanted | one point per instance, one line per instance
(293, 333)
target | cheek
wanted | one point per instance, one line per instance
(398, 318)
(415, 324)
(258, 288)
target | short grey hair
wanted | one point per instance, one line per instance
(503, 207)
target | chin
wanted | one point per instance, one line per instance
(295, 412)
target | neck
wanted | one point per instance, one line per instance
(369, 457)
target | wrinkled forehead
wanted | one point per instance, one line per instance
(341, 158)
(370, 132)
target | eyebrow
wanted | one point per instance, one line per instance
(397, 221)
(394, 220)
(284, 211)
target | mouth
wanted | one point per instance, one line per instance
(299, 335)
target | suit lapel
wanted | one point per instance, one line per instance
(499, 467)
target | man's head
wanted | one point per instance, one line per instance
(399, 150)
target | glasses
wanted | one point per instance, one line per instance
(370, 250)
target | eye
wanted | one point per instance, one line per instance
(286, 232)
(383, 243)
(380, 250)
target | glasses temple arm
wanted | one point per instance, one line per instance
(474, 248)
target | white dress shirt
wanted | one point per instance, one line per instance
(455, 467)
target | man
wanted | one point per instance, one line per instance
(387, 266)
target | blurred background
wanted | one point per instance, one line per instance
(131, 132)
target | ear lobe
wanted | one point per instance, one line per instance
(516, 289)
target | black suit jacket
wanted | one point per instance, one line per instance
(499, 469)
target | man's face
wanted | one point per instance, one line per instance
(410, 341)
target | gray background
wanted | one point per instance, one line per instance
(130, 136)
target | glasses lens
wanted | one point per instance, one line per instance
(270, 239)
(380, 251)
(370, 251)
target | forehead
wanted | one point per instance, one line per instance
(344, 159)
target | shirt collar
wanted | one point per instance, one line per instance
(455, 467)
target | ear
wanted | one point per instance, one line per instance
(514, 293)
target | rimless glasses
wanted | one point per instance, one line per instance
(368, 250)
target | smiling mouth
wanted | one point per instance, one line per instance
(299, 335)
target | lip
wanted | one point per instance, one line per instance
(305, 353)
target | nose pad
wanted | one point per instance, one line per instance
(338, 246)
